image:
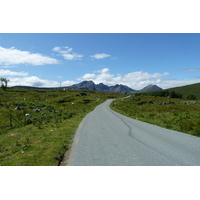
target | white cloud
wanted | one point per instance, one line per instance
(68, 83)
(67, 53)
(103, 71)
(37, 82)
(11, 73)
(8, 66)
(56, 49)
(192, 70)
(136, 80)
(12, 56)
(100, 56)
(72, 56)
(171, 83)
(89, 76)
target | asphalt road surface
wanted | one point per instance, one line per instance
(107, 138)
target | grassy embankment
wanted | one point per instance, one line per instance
(42, 138)
(177, 114)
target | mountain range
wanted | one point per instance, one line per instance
(122, 89)
(90, 85)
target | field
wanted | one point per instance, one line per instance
(37, 126)
(177, 114)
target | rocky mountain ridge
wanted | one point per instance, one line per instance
(122, 89)
(90, 85)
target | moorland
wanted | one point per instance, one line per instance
(37, 126)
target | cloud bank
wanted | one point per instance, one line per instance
(36, 82)
(11, 73)
(135, 80)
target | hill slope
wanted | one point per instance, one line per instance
(187, 90)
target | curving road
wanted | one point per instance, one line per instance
(107, 138)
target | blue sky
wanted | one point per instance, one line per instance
(132, 59)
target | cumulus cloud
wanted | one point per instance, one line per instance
(12, 56)
(100, 56)
(135, 80)
(67, 53)
(11, 73)
(89, 76)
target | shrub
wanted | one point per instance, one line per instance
(191, 97)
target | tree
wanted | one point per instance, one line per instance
(4, 83)
(172, 94)
(166, 93)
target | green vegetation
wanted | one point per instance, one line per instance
(190, 92)
(193, 89)
(171, 113)
(37, 126)
(161, 93)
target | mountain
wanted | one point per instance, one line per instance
(122, 89)
(90, 85)
(102, 87)
(150, 88)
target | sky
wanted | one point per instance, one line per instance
(133, 59)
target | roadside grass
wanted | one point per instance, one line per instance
(31, 146)
(42, 138)
(165, 112)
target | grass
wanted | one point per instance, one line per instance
(168, 113)
(42, 138)
(30, 146)
(193, 89)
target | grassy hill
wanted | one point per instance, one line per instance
(187, 90)
(178, 92)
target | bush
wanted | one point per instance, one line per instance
(191, 97)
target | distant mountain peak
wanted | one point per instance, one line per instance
(150, 88)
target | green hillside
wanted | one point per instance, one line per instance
(187, 90)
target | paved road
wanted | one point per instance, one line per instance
(107, 138)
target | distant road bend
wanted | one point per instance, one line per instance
(107, 138)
